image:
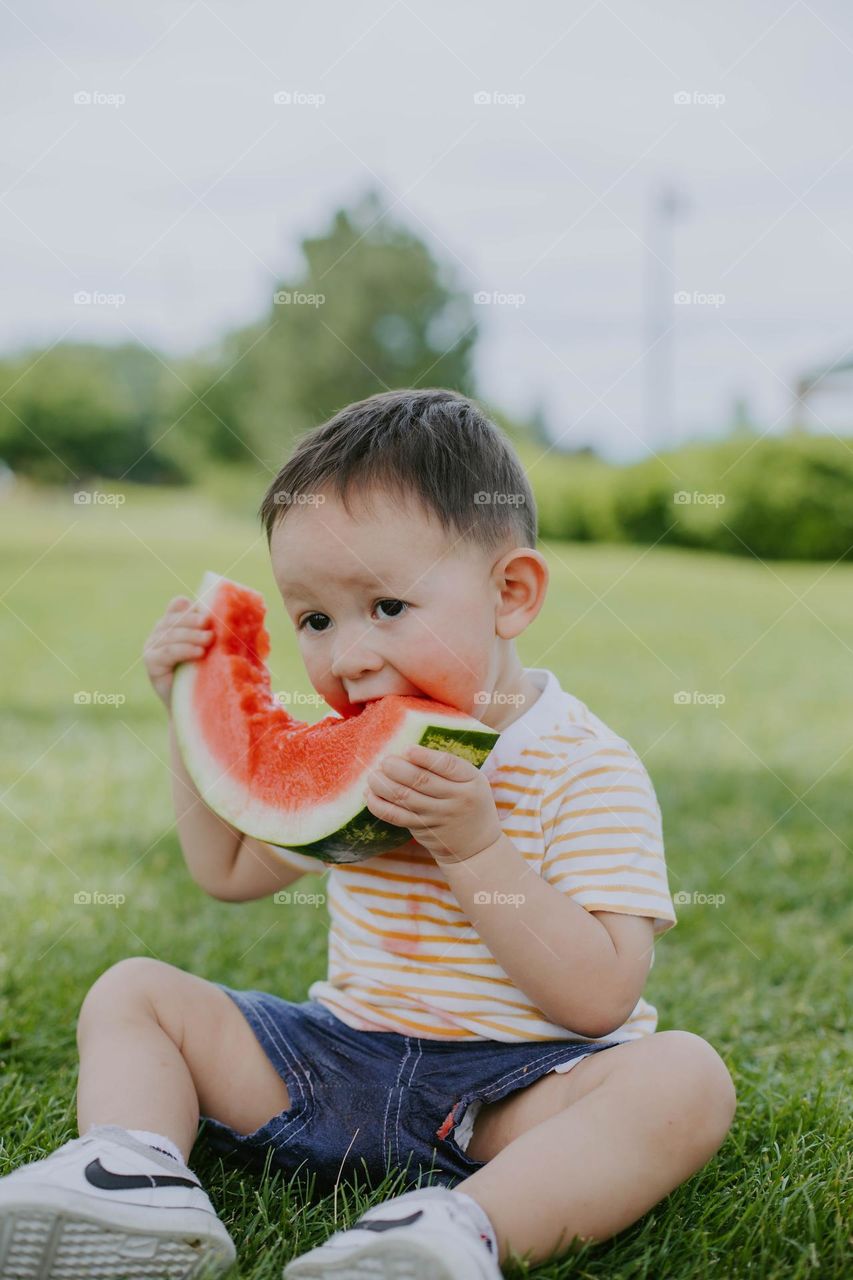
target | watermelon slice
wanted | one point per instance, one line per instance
(291, 784)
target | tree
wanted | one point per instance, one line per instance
(370, 309)
(80, 410)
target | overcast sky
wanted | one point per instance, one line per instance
(183, 187)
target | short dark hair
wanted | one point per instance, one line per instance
(433, 444)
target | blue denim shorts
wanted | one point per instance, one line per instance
(370, 1103)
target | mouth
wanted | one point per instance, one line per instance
(358, 704)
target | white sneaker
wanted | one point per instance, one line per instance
(107, 1205)
(420, 1235)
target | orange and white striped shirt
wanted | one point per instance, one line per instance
(578, 804)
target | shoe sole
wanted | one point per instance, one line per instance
(376, 1260)
(62, 1235)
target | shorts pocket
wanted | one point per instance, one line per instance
(278, 1131)
(501, 1084)
(270, 1129)
(445, 1133)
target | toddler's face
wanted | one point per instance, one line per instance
(384, 602)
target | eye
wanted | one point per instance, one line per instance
(392, 608)
(308, 618)
(397, 609)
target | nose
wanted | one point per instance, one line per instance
(354, 655)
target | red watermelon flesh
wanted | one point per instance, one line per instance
(291, 784)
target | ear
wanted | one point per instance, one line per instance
(521, 580)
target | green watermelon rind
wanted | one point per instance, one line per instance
(365, 834)
(362, 835)
(351, 834)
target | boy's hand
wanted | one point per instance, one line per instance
(444, 801)
(181, 634)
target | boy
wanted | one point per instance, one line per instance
(482, 1025)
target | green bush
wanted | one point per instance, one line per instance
(79, 410)
(783, 497)
(793, 501)
(573, 496)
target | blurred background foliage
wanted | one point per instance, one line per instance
(226, 417)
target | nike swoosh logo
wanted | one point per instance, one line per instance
(107, 1181)
(384, 1224)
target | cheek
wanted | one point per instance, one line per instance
(316, 664)
(452, 671)
(317, 667)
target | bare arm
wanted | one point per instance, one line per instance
(585, 974)
(225, 863)
(209, 843)
(221, 860)
(260, 870)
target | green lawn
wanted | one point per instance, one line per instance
(757, 801)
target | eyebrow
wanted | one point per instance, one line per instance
(358, 580)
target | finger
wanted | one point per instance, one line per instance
(387, 811)
(424, 781)
(398, 794)
(197, 635)
(443, 763)
(184, 614)
(179, 652)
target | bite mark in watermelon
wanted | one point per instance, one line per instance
(291, 784)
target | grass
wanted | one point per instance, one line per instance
(757, 802)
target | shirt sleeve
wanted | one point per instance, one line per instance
(604, 835)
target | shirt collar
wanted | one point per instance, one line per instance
(538, 718)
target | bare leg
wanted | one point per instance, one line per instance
(157, 1044)
(645, 1117)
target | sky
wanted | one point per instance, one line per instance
(147, 164)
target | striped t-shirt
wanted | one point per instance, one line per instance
(578, 804)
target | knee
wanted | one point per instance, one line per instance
(697, 1075)
(126, 984)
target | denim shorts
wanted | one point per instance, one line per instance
(370, 1103)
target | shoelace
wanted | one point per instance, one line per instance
(162, 1151)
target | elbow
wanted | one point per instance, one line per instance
(229, 893)
(219, 891)
(597, 1028)
(598, 1022)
